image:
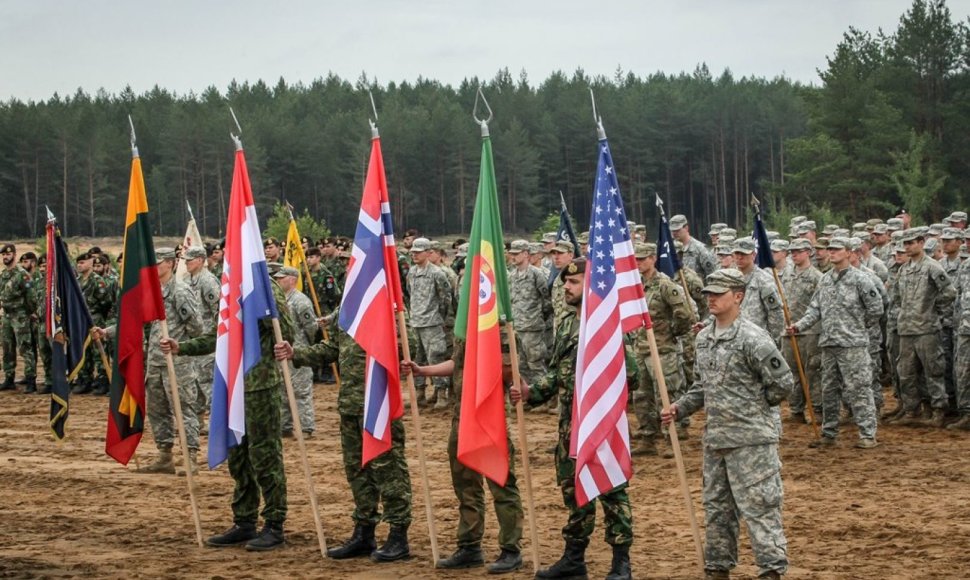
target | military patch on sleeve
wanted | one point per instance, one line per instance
(184, 311)
(211, 296)
(775, 363)
(771, 299)
(872, 293)
(307, 316)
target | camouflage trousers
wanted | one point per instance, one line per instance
(847, 376)
(161, 408)
(432, 347)
(811, 356)
(256, 464)
(617, 515)
(961, 366)
(533, 355)
(948, 344)
(470, 491)
(920, 357)
(302, 379)
(892, 353)
(384, 480)
(205, 372)
(16, 334)
(646, 398)
(875, 356)
(745, 483)
(44, 352)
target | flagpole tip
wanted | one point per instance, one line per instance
(236, 141)
(484, 125)
(374, 132)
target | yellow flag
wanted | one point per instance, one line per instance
(293, 254)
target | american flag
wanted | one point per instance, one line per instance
(372, 294)
(613, 304)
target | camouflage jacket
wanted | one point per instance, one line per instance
(217, 271)
(847, 306)
(266, 373)
(430, 293)
(559, 306)
(877, 266)
(326, 287)
(892, 313)
(741, 375)
(301, 310)
(207, 290)
(952, 269)
(962, 305)
(98, 298)
(184, 319)
(114, 291)
(762, 305)
(924, 294)
(884, 253)
(531, 301)
(670, 312)
(17, 292)
(800, 286)
(698, 258)
(39, 294)
(694, 286)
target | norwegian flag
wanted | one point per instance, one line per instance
(613, 304)
(371, 297)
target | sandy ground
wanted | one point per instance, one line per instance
(899, 511)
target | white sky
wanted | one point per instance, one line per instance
(49, 46)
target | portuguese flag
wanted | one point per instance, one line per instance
(140, 303)
(484, 299)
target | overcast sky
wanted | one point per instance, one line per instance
(49, 46)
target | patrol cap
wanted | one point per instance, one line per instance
(873, 222)
(519, 246)
(193, 252)
(958, 216)
(896, 235)
(8, 249)
(640, 228)
(839, 243)
(841, 233)
(161, 254)
(853, 244)
(576, 266)
(899, 248)
(935, 229)
(273, 267)
(805, 227)
(894, 224)
(797, 220)
(931, 244)
(723, 281)
(772, 235)
(462, 250)
(724, 240)
(745, 246)
(861, 235)
(859, 226)
(271, 241)
(716, 229)
(677, 222)
(780, 246)
(822, 244)
(724, 250)
(880, 229)
(535, 248)
(644, 249)
(910, 235)
(948, 234)
(420, 245)
(437, 245)
(562, 247)
(583, 238)
(729, 232)
(549, 238)
(799, 244)
(830, 229)
(287, 271)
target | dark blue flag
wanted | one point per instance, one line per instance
(667, 260)
(760, 235)
(565, 231)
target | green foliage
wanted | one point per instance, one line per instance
(916, 179)
(549, 224)
(278, 224)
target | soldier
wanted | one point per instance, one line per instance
(725, 256)
(848, 308)
(207, 291)
(882, 249)
(324, 283)
(876, 341)
(961, 362)
(99, 300)
(537, 257)
(696, 256)
(800, 285)
(779, 251)
(562, 254)
(385, 479)
(431, 297)
(741, 378)
(28, 261)
(868, 259)
(892, 316)
(17, 301)
(214, 259)
(715, 233)
(761, 305)
(821, 260)
(531, 308)
(925, 294)
(305, 334)
(40, 324)
(952, 240)
(957, 219)
(549, 240)
(616, 504)
(256, 463)
(272, 250)
(672, 319)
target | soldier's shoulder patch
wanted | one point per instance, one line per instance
(775, 362)
(872, 293)
(184, 311)
(307, 315)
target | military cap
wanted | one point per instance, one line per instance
(644, 249)
(830, 229)
(841, 233)
(677, 222)
(839, 243)
(745, 246)
(723, 281)
(161, 254)
(726, 240)
(723, 250)
(193, 252)
(716, 229)
(894, 224)
(95, 251)
(583, 238)
(822, 244)
(437, 245)
(772, 235)
(86, 256)
(797, 220)
(8, 249)
(640, 228)
(549, 237)
(873, 222)
(958, 216)
(420, 245)
(853, 244)
(42, 259)
(896, 236)
(535, 248)
(799, 244)
(931, 244)
(287, 271)
(273, 267)
(562, 247)
(28, 256)
(880, 229)
(935, 229)
(780, 245)
(306, 240)
(462, 250)
(899, 248)
(271, 241)
(220, 245)
(804, 227)
(519, 246)
(859, 226)
(948, 234)
(911, 234)
(861, 235)
(102, 259)
(729, 232)
(576, 266)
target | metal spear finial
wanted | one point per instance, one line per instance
(236, 138)
(374, 133)
(50, 215)
(600, 131)
(134, 140)
(660, 204)
(482, 122)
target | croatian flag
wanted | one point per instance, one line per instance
(372, 295)
(247, 297)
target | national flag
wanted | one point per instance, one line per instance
(293, 255)
(484, 300)
(565, 231)
(140, 302)
(372, 295)
(191, 238)
(67, 322)
(764, 259)
(668, 261)
(613, 304)
(247, 297)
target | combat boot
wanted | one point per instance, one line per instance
(936, 419)
(101, 386)
(717, 575)
(192, 464)
(962, 423)
(8, 384)
(269, 538)
(620, 568)
(442, 402)
(508, 561)
(645, 447)
(572, 565)
(30, 385)
(163, 464)
(770, 575)
(44, 389)
(464, 557)
(395, 547)
(82, 387)
(237, 534)
(361, 543)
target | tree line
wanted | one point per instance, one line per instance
(886, 127)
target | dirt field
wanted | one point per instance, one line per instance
(899, 511)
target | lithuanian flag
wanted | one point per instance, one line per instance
(484, 299)
(140, 303)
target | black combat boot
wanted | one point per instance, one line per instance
(82, 387)
(395, 548)
(101, 386)
(8, 384)
(239, 533)
(572, 565)
(508, 561)
(44, 389)
(620, 568)
(464, 557)
(269, 538)
(30, 385)
(361, 543)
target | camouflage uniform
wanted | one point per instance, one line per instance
(961, 362)
(800, 286)
(301, 310)
(468, 483)
(741, 379)
(672, 319)
(39, 290)
(877, 266)
(559, 307)
(698, 258)
(184, 323)
(884, 253)
(385, 479)
(17, 301)
(694, 285)
(207, 290)
(948, 333)
(560, 379)
(531, 307)
(847, 307)
(325, 285)
(762, 305)
(256, 464)
(925, 294)
(892, 336)
(876, 339)
(431, 296)
(99, 299)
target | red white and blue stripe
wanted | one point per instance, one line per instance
(247, 297)
(372, 295)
